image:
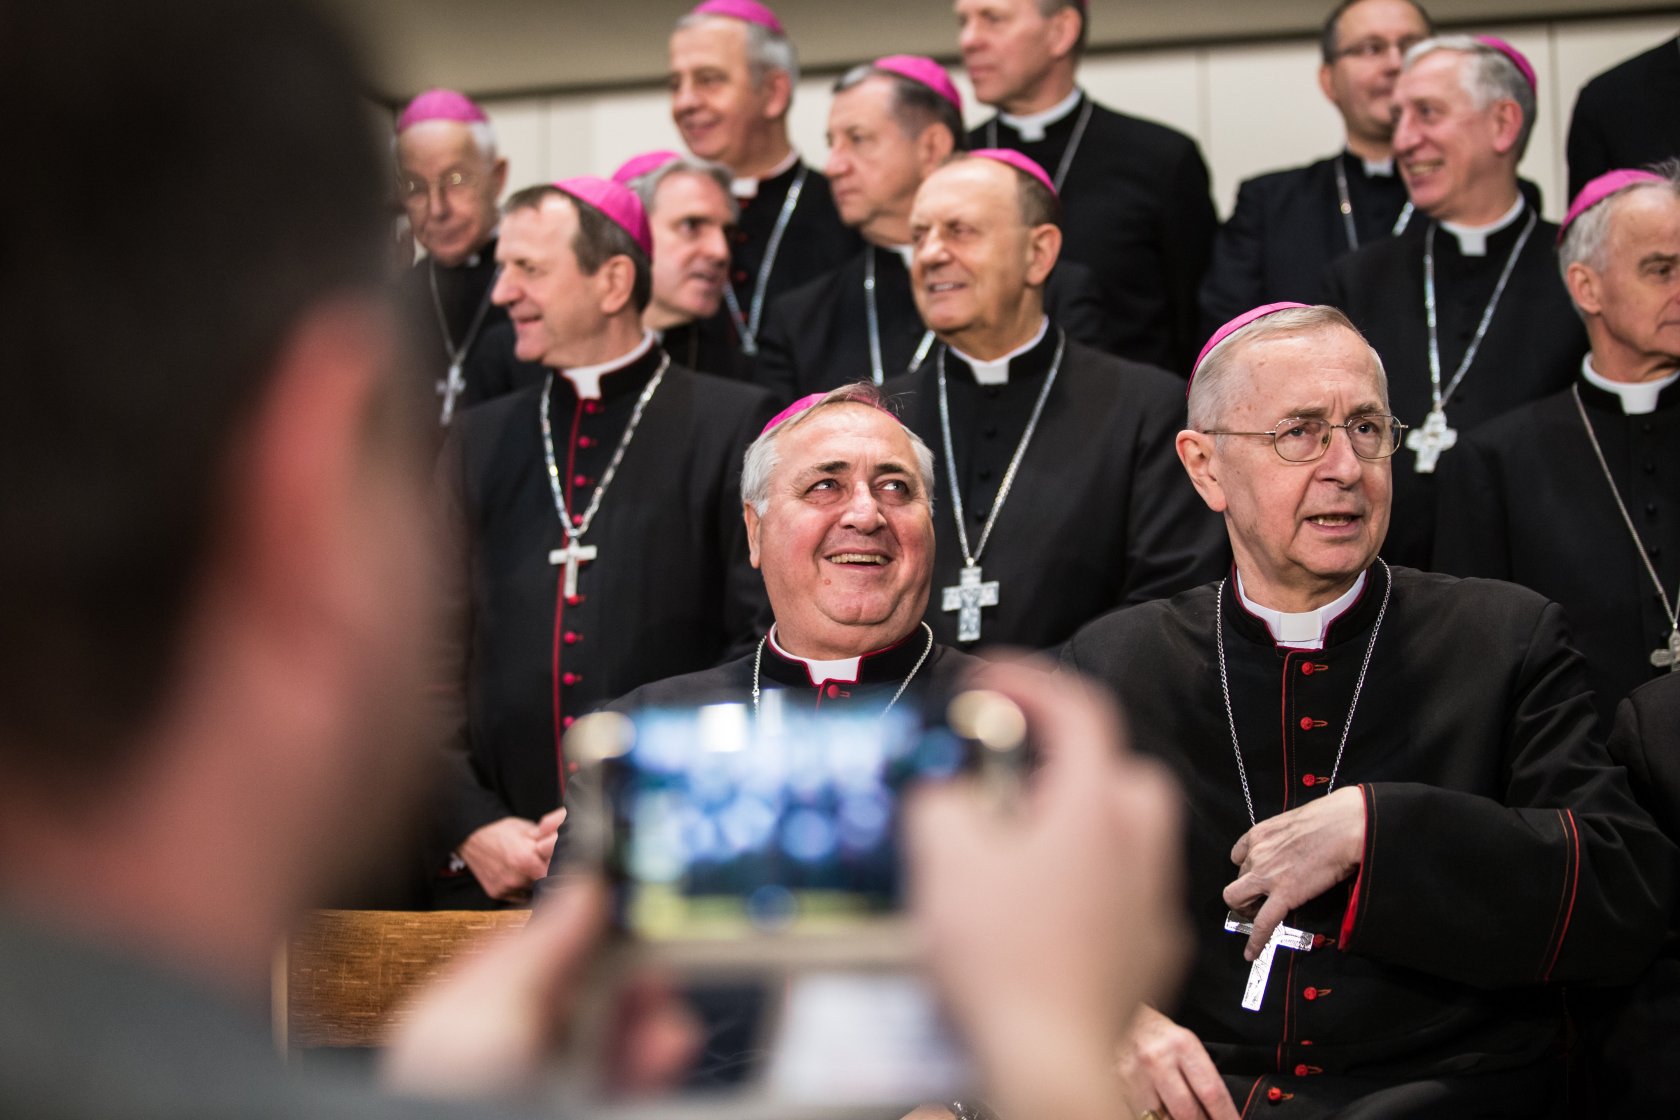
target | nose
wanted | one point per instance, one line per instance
(838, 164)
(968, 36)
(863, 512)
(1339, 463)
(437, 199)
(715, 246)
(504, 291)
(682, 96)
(1405, 132)
(929, 251)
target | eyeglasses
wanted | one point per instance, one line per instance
(1369, 50)
(413, 188)
(1374, 435)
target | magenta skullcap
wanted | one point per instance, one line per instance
(1019, 162)
(810, 401)
(1518, 59)
(440, 105)
(617, 202)
(751, 11)
(1601, 188)
(1233, 327)
(924, 70)
(645, 164)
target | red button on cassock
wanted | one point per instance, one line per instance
(574, 600)
(569, 679)
(1274, 1094)
(1301, 1070)
(567, 722)
(591, 407)
(1310, 994)
(833, 691)
(1307, 668)
(580, 480)
(1308, 780)
(571, 637)
(1306, 723)
(585, 441)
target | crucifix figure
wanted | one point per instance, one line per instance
(966, 599)
(1283, 937)
(450, 388)
(571, 556)
(1668, 657)
(1430, 440)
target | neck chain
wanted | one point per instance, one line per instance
(1225, 686)
(877, 369)
(758, 659)
(747, 324)
(1346, 207)
(1073, 141)
(450, 387)
(575, 533)
(1437, 394)
(972, 559)
(1668, 657)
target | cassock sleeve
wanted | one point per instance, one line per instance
(1586, 151)
(1567, 880)
(1471, 527)
(1235, 279)
(1073, 297)
(777, 363)
(1173, 541)
(1188, 222)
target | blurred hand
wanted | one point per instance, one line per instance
(509, 855)
(1166, 1068)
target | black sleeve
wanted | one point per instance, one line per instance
(1472, 535)
(776, 366)
(1235, 280)
(1188, 222)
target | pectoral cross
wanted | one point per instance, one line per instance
(1430, 440)
(450, 388)
(571, 556)
(966, 599)
(1283, 937)
(1668, 657)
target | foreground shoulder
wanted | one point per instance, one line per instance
(1141, 634)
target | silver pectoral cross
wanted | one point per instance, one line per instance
(1668, 657)
(571, 556)
(1283, 937)
(1430, 440)
(966, 598)
(450, 388)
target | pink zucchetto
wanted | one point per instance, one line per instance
(1601, 188)
(617, 202)
(1518, 59)
(1019, 162)
(924, 70)
(440, 105)
(645, 164)
(810, 401)
(1232, 328)
(749, 11)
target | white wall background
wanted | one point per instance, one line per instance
(1251, 108)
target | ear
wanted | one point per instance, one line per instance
(615, 281)
(933, 148)
(1196, 451)
(1324, 86)
(778, 95)
(750, 516)
(498, 174)
(1064, 31)
(1044, 246)
(1507, 125)
(1582, 283)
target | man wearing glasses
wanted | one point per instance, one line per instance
(1287, 226)
(1406, 834)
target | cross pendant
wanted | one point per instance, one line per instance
(1430, 440)
(450, 388)
(966, 598)
(571, 556)
(1283, 937)
(1668, 657)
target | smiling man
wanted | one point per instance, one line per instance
(1466, 307)
(1397, 771)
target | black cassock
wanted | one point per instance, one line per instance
(816, 337)
(1503, 856)
(463, 295)
(671, 591)
(1524, 499)
(1135, 210)
(1628, 116)
(1533, 346)
(1285, 230)
(1101, 513)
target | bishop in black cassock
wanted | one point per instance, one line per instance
(1625, 117)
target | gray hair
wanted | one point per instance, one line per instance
(1211, 388)
(1585, 239)
(647, 186)
(914, 105)
(766, 50)
(759, 464)
(483, 138)
(1490, 77)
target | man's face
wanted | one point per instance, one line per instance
(690, 218)
(1637, 296)
(1371, 38)
(973, 253)
(448, 188)
(846, 541)
(1007, 46)
(873, 165)
(1300, 531)
(553, 305)
(1444, 146)
(714, 102)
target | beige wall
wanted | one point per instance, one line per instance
(1252, 108)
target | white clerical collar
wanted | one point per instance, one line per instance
(1378, 167)
(1031, 126)
(747, 186)
(1305, 629)
(996, 372)
(905, 252)
(844, 669)
(586, 380)
(1639, 398)
(1472, 240)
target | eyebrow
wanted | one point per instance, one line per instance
(1319, 412)
(1657, 258)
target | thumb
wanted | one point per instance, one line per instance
(551, 821)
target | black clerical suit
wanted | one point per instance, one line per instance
(1523, 498)
(1100, 514)
(1533, 346)
(816, 337)
(474, 323)
(671, 591)
(707, 346)
(1503, 853)
(1626, 116)
(1286, 228)
(1136, 210)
